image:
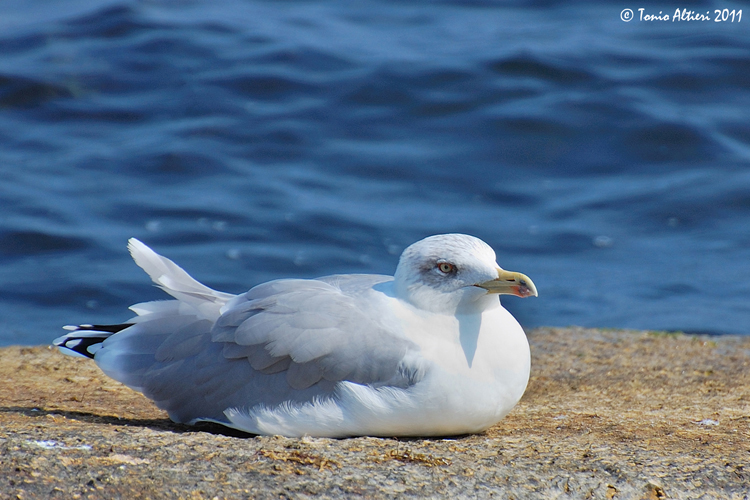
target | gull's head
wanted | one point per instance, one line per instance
(451, 273)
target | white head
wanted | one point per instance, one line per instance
(450, 273)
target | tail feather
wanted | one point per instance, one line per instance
(193, 300)
(175, 281)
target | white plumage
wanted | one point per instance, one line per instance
(428, 352)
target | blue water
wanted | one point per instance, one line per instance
(252, 140)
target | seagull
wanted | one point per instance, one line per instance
(429, 351)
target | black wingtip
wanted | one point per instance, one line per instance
(100, 328)
(86, 340)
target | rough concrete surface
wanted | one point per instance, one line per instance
(607, 415)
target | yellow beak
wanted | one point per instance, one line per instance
(509, 283)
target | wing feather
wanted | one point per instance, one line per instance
(325, 333)
(284, 342)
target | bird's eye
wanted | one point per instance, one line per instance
(445, 267)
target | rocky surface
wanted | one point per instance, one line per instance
(607, 415)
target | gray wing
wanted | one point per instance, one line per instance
(287, 341)
(313, 330)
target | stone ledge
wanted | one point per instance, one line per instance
(608, 414)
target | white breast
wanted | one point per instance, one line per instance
(477, 372)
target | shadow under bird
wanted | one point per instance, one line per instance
(429, 351)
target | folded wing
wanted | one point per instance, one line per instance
(314, 331)
(284, 342)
